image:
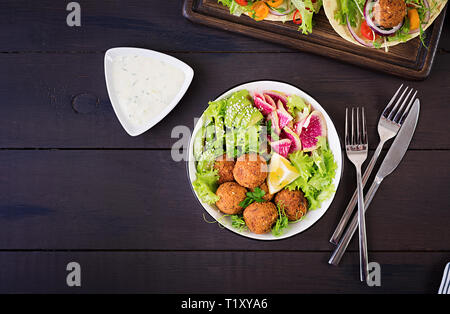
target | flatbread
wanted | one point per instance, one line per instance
(330, 7)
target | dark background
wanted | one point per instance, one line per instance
(75, 187)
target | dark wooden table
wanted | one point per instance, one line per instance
(75, 187)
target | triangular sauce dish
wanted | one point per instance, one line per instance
(144, 86)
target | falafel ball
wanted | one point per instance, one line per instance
(267, 196)
(389, 13)
(250, 170)
(230, 195)
(260, 217)
(294, 203)
(224, 165)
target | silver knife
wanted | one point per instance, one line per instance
(390, 162)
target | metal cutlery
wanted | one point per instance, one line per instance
(356, 145)
(390, 122)
(390, 162)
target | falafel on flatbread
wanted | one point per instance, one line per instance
(348, 22)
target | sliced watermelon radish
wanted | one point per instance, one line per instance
(276, 96)
(273, 117)
(313, 127)
(296, 144)
(298, 127)
(269, 100)
(262, 105)
(291, 124)
(283, 116)
(281, 147)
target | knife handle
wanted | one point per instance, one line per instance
(345, 239)
(351, 205)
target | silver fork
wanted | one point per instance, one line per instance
(390, 122)
(356, 148)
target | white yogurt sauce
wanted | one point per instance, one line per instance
(144, 86)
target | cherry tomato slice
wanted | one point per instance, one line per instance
(295, 19)
(241, 2)
(366, 31)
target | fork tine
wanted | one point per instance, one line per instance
(364, 127)
(346, 128)
(358, 133)
(385, 111)
(399, 111)
(353, 127)
(393, 111)
(405, 113)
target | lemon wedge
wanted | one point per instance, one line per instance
(281, 173)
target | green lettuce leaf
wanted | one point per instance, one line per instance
(402, 34)
(295, 104)
(349, 8)
(317, 171)
(206, 161)
(237, 9)
(226, 3)
(206, 185)
(304, 7)
(215, 110)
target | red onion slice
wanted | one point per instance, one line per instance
(275, 12)
(426, 19)
(377, 29)
(356, 37)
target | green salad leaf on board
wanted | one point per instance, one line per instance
(306, 8)
(303, 6)
(235, 8)
(350, 9)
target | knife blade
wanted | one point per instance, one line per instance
(390, 162)
(401, 143)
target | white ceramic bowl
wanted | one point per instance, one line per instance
(125, 51)
(333, 139)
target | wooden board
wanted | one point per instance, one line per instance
(410, 60)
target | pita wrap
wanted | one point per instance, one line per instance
(278, 18)
(331, 6)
